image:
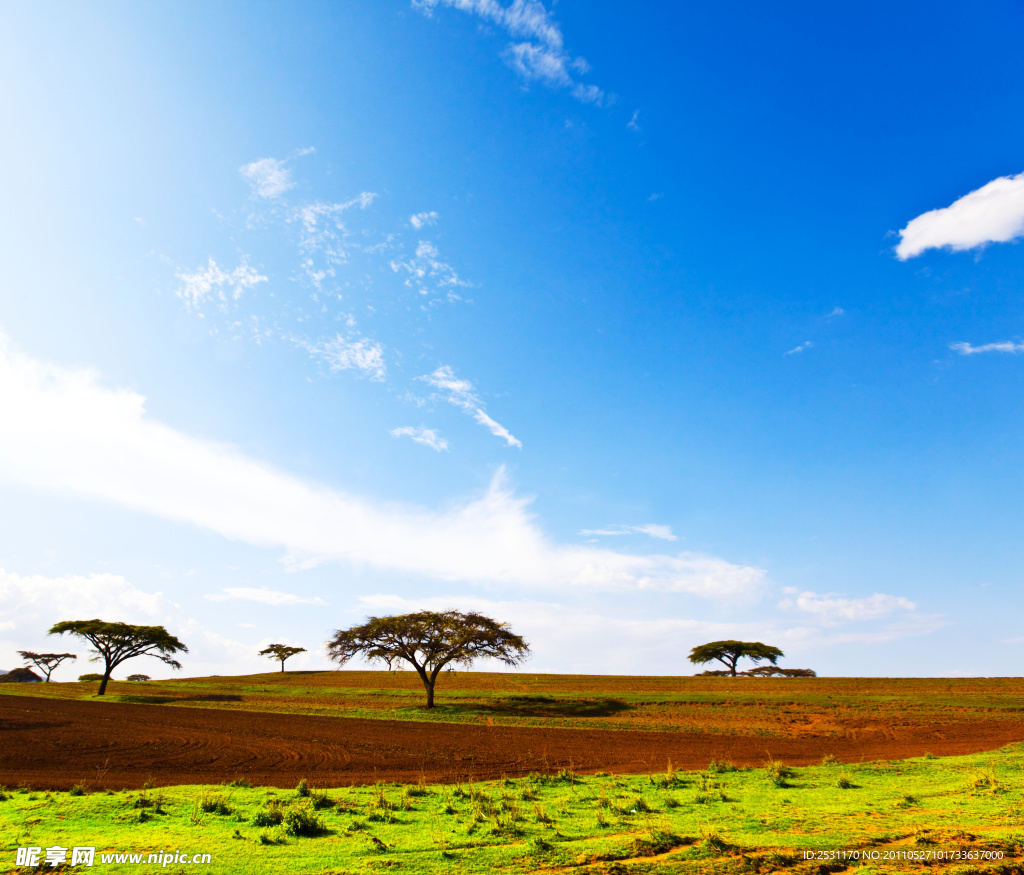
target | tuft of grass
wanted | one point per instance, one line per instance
(77, 790)
(269, 815)
(984, 780)
(240, 783)
(214, 803)
(719, 767)
(829, 760)
(655, 842)
(778, 773)
(907, 801)
(844, 782)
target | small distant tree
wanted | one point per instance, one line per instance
(113, 643)
(138, 677)
(429, 641)
(730, 652)
(282, 652)
(45, 662)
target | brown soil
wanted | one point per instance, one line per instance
(54, 743)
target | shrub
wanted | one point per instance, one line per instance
(139, 677)
(301, 820)
(777, 773)
(303, 788)
(844, 783)
(320, 801)
(654, 843)
(829, 760)
(270, 815)
(720, 766)
(77, 790)
(90, 677)
(214, 803)
(240, 782)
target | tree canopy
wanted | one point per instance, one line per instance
(281, 651)
(429, 641)
(45, 662)
(730, 652)
(113, 643)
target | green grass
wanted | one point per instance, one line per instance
(722, 820)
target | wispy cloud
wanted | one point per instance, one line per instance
(62, 431)
(801, 348)
(262, 596)
(633, 124)
(652, 530)
(419, 220)
(462, 394)
(426, 436)
(213, 281)
(427, 274)
(993, 213)
(345, 354)
(831, 609)
(1001, 346)
(268, 177)
(541, 56)
(836, 313)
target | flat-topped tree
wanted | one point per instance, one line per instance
(281, 651)
(730, 652)
(113, 643)
(429, 641)
(45, 662)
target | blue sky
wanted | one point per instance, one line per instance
(633, 327)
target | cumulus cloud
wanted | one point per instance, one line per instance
(262, 596)
(426, 436)
(214, 281)
(993, 213)
(651, 529)
(831, 608)
(462, 394)
(540, 54)
(268, 177)
(1001, 346)
(64, 432)
(422, 219)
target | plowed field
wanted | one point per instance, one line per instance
(53, 743)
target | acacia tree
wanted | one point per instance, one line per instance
(45, 662)
(113, 643)
(281, 651)
(730, 652)
(429, 641)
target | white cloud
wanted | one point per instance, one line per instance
(836, 311)
(426, 273)
(263, 596)
(345, 354)
(831, 609)
(1001, 346)
(993, 213)
(462, 394)
(421, 219)
(803, 346)
(268, 177)
(542, 55)
(214, 280)
(651, 529)
(426, 436)
(63, 432)
(632, 124)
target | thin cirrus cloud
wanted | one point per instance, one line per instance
(1000, 346)
(64, 432)
(993, 213)
(262, 596)
(426, 436)
(214, 283)
(798, 349)
(540, 55)
(652, 530)
(831, 609)
(462, 394)
(342, 353)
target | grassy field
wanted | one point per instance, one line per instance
(761, 706)
(720, 820)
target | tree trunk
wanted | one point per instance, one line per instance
(282, 666)
(103, 684)
(430, 694)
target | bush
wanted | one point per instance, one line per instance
(77, 790)
(303, 788)
(139, 677)
(20, 676)
(778, 772)
(301, 820)
(90, 677)
(270, 815)
(212, 803)
(844, 783)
